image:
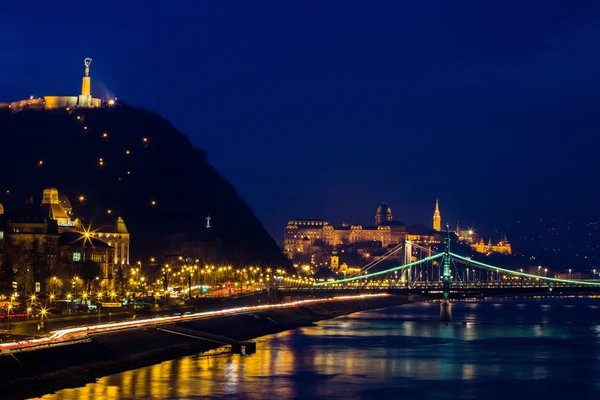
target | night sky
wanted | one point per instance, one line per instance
(323, 109)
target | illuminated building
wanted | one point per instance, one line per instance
(42, 232)
(502, 247)
(58, 208)
(311, 236)
(31, 246)
(384, 213)
(114, 232)
(116, 236)
(472, 238)
(77, 249)
(85, 99)
(437, 218)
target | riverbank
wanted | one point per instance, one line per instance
(35, 373)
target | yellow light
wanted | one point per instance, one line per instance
(104, 135)
(40, 163)
(145, 140)
(81, 198)
(153, 202)
(128, 152)
(109, 211)
(111, 102)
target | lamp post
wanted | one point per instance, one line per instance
(8, 308)
(42, 315)
(70, 302)
(99, 298)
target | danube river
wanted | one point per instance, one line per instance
(514, 348)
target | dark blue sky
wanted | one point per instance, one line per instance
(324, 109)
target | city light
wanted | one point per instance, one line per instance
(71, 334)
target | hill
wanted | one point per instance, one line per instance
(136, 164)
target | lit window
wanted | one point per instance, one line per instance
(1, 235)
(76, 256)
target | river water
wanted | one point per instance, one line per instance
(513, 348)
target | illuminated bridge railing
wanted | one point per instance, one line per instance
(511, 279)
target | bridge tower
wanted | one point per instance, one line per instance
(407, 260)
(445, 307)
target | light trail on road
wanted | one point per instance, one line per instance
(63, 336)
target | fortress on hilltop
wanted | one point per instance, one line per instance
(85, 99)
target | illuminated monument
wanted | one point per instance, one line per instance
(85, 99)
(437, 218)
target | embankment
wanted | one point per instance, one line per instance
(34, 373)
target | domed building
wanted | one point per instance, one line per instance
(304, 237)
(384, 213)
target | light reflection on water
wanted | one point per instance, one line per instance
(495, 350)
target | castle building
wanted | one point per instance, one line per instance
(473, 239)
(85, 99)
(502, 247)
(437, 218)
(309, 236)
(384, 213)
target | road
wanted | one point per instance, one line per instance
(65, 336)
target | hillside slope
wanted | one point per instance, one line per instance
(138, 165)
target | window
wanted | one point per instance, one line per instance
(99, 258)
(76, 256)
(1, 235)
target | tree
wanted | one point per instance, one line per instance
(90, 270)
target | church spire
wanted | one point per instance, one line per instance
(437, 218)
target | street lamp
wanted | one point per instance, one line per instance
(98, 305)
(8, 308)
(42, 315)
(70, 302)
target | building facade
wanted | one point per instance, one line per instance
(308, 236)
(47, 239)
(502, 247)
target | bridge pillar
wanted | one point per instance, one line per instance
(445, 307)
